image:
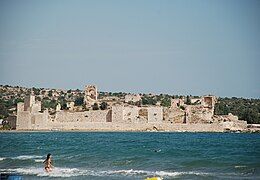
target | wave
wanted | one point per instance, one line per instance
(153, 173)
(39, 160)
(72, 172)
(26, 157)
(241, 166)
(1, 159)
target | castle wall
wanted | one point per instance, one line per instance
(23, 120)
(155, 114)
(36, 107)
(39, 121)
(199, 114)
(130, 114)
(198, 118)
(20, 106)
(134, 114)
(117, 114)
(28, 102)
(174, 115)
(86, 116)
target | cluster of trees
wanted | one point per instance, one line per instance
(117, 94)
(79, 101)
(47, 103)
(5, 105)
(245, 109)
(149, 100)
(164, 99)
(102, 106)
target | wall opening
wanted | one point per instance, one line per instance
(109, 116)
(208, 101)
(143, 114)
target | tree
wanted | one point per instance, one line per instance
(251, 116)
(188, 100)
(95, 106)
(3, 111)
(64, 106)
(182, 107)
(36, 91)
(50, 93)
(221, 109)
(79, 101)
(47, 104)
(103, 106)
(245, 109)
(166, 102)
(147, 100)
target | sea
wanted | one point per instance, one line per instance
(131, 155)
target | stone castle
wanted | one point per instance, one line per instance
(126, 117)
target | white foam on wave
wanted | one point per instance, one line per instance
(72, 172)
(56, 172)
(241, 166)
(39, 160)
(25, 157)
(153, 173)
(1, 159)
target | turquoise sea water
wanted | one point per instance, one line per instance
(96, 155)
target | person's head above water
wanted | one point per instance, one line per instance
(48, 156)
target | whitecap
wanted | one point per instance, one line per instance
(25, 157)
(72, 172)
(152, 173)
(241, 166)
(39, 160)
(1, 159)
(56, 172)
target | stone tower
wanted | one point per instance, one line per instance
(91, 94)
(28, 102)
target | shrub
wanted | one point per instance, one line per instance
(103, 106)
(79, 101)
(95, 106)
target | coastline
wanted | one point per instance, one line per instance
(127, 131)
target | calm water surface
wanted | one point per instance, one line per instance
(96, 155)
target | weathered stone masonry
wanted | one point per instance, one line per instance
(125, 117)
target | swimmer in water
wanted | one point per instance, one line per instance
(47, 164)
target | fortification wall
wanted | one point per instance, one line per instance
(174, 115)
(130, 114)
(230, 122)
(28, 102)
(39, 121)
(134, 114)
(99, 126)
(36, 107)
(20, 106)
(23, 120)
(199, 114)
(86, 116)
(155, 114)
(128, 118)
(117, 114)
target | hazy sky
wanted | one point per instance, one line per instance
(177, 47)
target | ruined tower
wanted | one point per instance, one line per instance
(91, 94)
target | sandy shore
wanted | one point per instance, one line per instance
(148, 127)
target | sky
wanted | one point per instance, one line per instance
(184, 47)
